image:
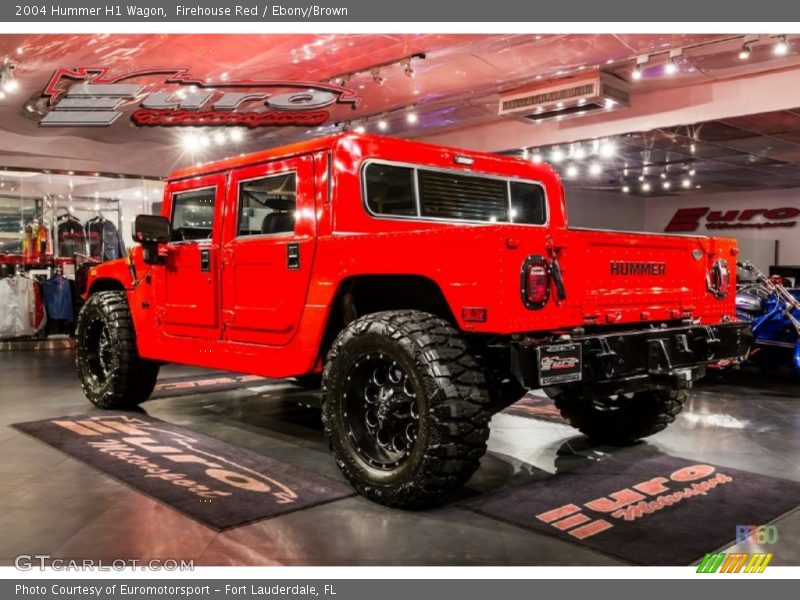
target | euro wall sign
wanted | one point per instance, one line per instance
(90, 97)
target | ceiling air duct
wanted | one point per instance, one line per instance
(567, 97)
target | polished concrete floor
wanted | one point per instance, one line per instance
(53, 504)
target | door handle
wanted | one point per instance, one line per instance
(205, 260)
(293, 256)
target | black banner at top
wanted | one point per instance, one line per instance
(743, 11)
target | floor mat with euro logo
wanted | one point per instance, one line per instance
(644, 506)
(216, 483)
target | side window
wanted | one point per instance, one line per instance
(452, 195)
(527, 203)
(267, 205)
(193, 214)
(390, 190)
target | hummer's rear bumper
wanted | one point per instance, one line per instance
(626, 361)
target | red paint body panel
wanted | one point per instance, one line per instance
(252, 314)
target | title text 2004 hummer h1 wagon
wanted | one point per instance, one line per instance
(428, 286)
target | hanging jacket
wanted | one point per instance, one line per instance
(105, 242)
(17, 307)
(71, 238)
(39, 312)
(58, 298)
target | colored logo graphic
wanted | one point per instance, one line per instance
(734, 562)
(756, 534)
(92, 97)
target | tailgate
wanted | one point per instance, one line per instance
(623, 277)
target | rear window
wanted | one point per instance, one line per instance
(399, 191)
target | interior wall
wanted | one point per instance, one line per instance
(659, 211)
(604, 210)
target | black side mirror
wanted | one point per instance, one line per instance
(150, 231)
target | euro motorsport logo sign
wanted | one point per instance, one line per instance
(163, 454)
(634, 502)
(93, 97)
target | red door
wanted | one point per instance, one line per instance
(270, 238)
(189, 285)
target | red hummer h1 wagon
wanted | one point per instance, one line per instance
(427, 287)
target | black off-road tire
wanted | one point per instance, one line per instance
(128, 380)
(452, 406)
(642, 415)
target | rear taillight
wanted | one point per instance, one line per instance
(719, 278)
(535, 282)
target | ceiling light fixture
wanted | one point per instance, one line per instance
(595, 169)
(781, 46)
(645, 187)
(672, 66)
(383, 124)
(411, 117)
(572, 171)
(625, 189)
(607, 149)
(666, 185)
(376, 76)
(557, 155)
(408, 71)
(687, 183)
(641, 60)
(745, 52)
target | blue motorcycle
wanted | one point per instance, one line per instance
(774, 314)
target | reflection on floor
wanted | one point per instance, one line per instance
(52, 504)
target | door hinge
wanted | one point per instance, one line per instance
(228, 316)
(226, 255)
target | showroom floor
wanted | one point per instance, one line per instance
(53, 504)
